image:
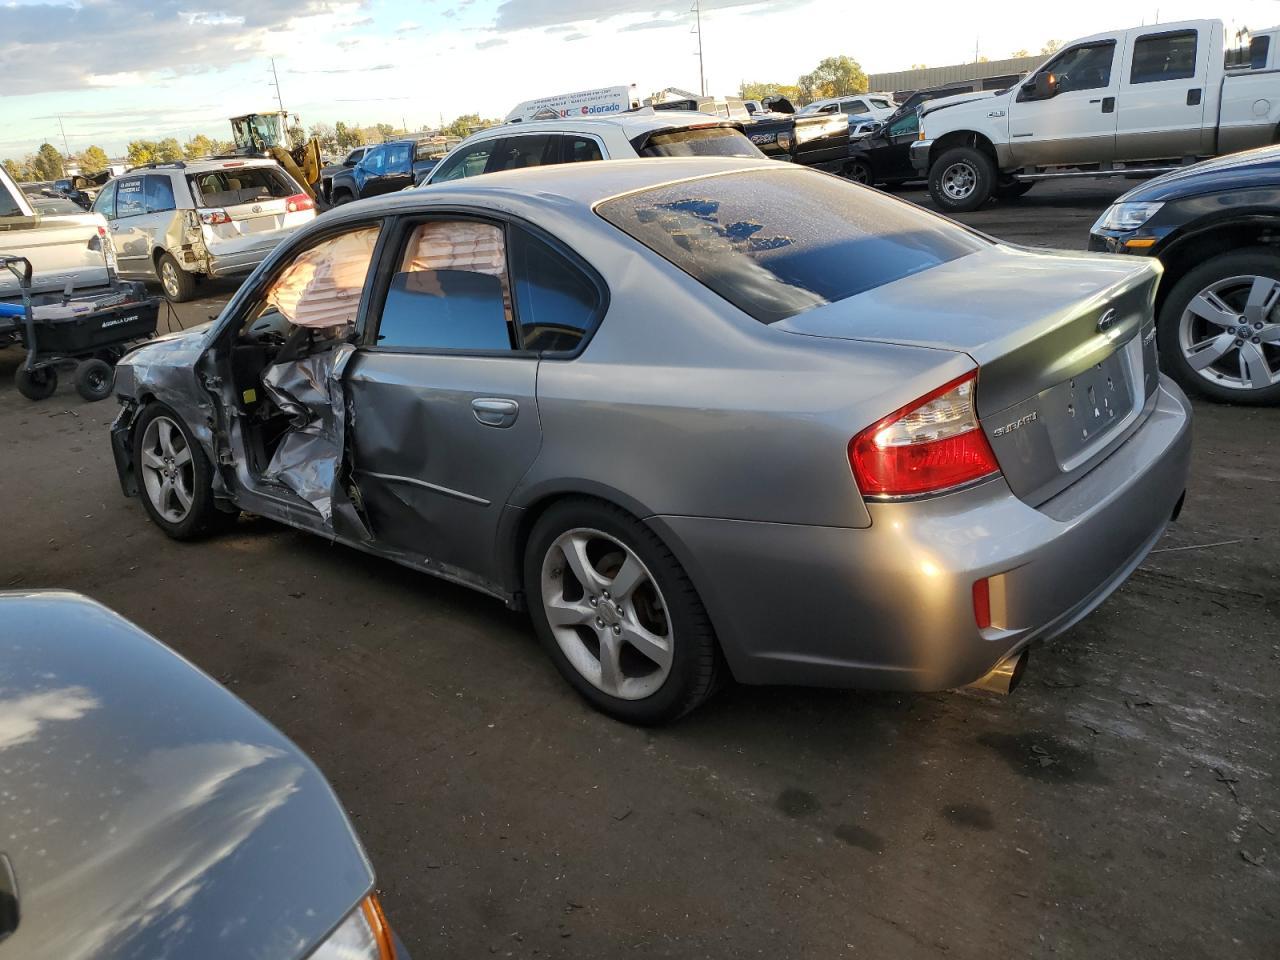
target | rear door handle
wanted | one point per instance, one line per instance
(495, 411)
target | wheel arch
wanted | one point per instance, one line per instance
(963, 138)
(1188, 248)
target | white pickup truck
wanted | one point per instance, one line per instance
(63, 248)
(1144, 99)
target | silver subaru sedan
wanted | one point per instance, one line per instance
(703, 418)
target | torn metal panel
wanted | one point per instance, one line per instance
(309, 458)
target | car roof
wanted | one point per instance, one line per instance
(632, 123)
(581, 184)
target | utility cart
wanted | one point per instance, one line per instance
(88, 332)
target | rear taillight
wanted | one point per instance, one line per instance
(299, 201)
(927, 447)
(213, 217)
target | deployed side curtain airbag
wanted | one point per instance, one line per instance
(321, 288)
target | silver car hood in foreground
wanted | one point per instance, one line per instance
(1029, 318)
(146, 811)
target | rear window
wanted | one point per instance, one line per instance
(234, 185)
(8, 203)
(777, 243)
(699, 142)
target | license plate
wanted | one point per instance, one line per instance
(1089, 405)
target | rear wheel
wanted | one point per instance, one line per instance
(179, 286)
(36, 384)
(94, 379)
(618, 615)
(1219, 328)
(859, 171)
(175, 479)
(962, 179)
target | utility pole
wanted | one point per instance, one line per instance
(275, 82)
(66, 150)
(702, 76)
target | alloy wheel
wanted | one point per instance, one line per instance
(607, 614)
(167, 471)
(959, 180)
(1228, 333)
(169, 279)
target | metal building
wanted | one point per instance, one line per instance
(937, 76)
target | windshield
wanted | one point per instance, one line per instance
(777, 243)
(699, 142)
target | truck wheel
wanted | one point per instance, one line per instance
(1219, 328)
(94, 379)
(179, 286)
(36, 384)
(962, 179)
(859, 171)
(342, 196)
(1007, 188)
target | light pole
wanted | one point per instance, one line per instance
(697, 28)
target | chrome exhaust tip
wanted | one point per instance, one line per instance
(1004, 676)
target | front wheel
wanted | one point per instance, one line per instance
(618, 615)
(175, 479)
(859, 171)
(1219, 328)
(962, 179)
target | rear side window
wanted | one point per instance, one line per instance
(158, 191)
(130, 201)
(580, 149)
(451, 291)
(1164, 56)
(516, 153)
(8, 203)
(106, 202)
(234, 185)
(777, 243)
(1259, 47)
(699, 142)
(557, 303)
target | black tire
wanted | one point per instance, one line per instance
(342, 196)
(1010, 189)
(859, 171)
(979, 168)
(697, 667)
(94, 379)
(203, 517)
(36, 384)
(1248, 261)
(178, 285)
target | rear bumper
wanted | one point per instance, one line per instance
(891, 606)
(240, 261)
(919, 154)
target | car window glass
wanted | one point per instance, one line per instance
(451, 291)
(515, 153)
(1086, 67)
(158, 193)
(9, 203)
(106, 202)
(1258, 49)
(374, 161)
(235, 185)
(466, 162)
(555, 301)
(776, 243)
(1167, 56)
(129, 199)
(880, 104)
(321, 288)
(700, 142)
(910, 124)
(580, 149)
(853, 107)
(398, 157)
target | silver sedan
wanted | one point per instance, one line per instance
(703, 418)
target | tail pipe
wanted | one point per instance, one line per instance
(1004, 676)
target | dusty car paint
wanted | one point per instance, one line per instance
(147, 811)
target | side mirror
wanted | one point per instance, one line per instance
(1045, 86)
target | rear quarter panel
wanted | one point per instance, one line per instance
(686, 406)
(1249, 114)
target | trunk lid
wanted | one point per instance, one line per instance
(1065, 344)
(255, 200)
(62, 249)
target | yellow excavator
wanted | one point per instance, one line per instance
(267, 135)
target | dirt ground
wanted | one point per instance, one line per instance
(1122, 803)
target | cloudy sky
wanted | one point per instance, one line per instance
(116, 70)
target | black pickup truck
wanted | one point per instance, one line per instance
(385, 168)
(819, 140)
